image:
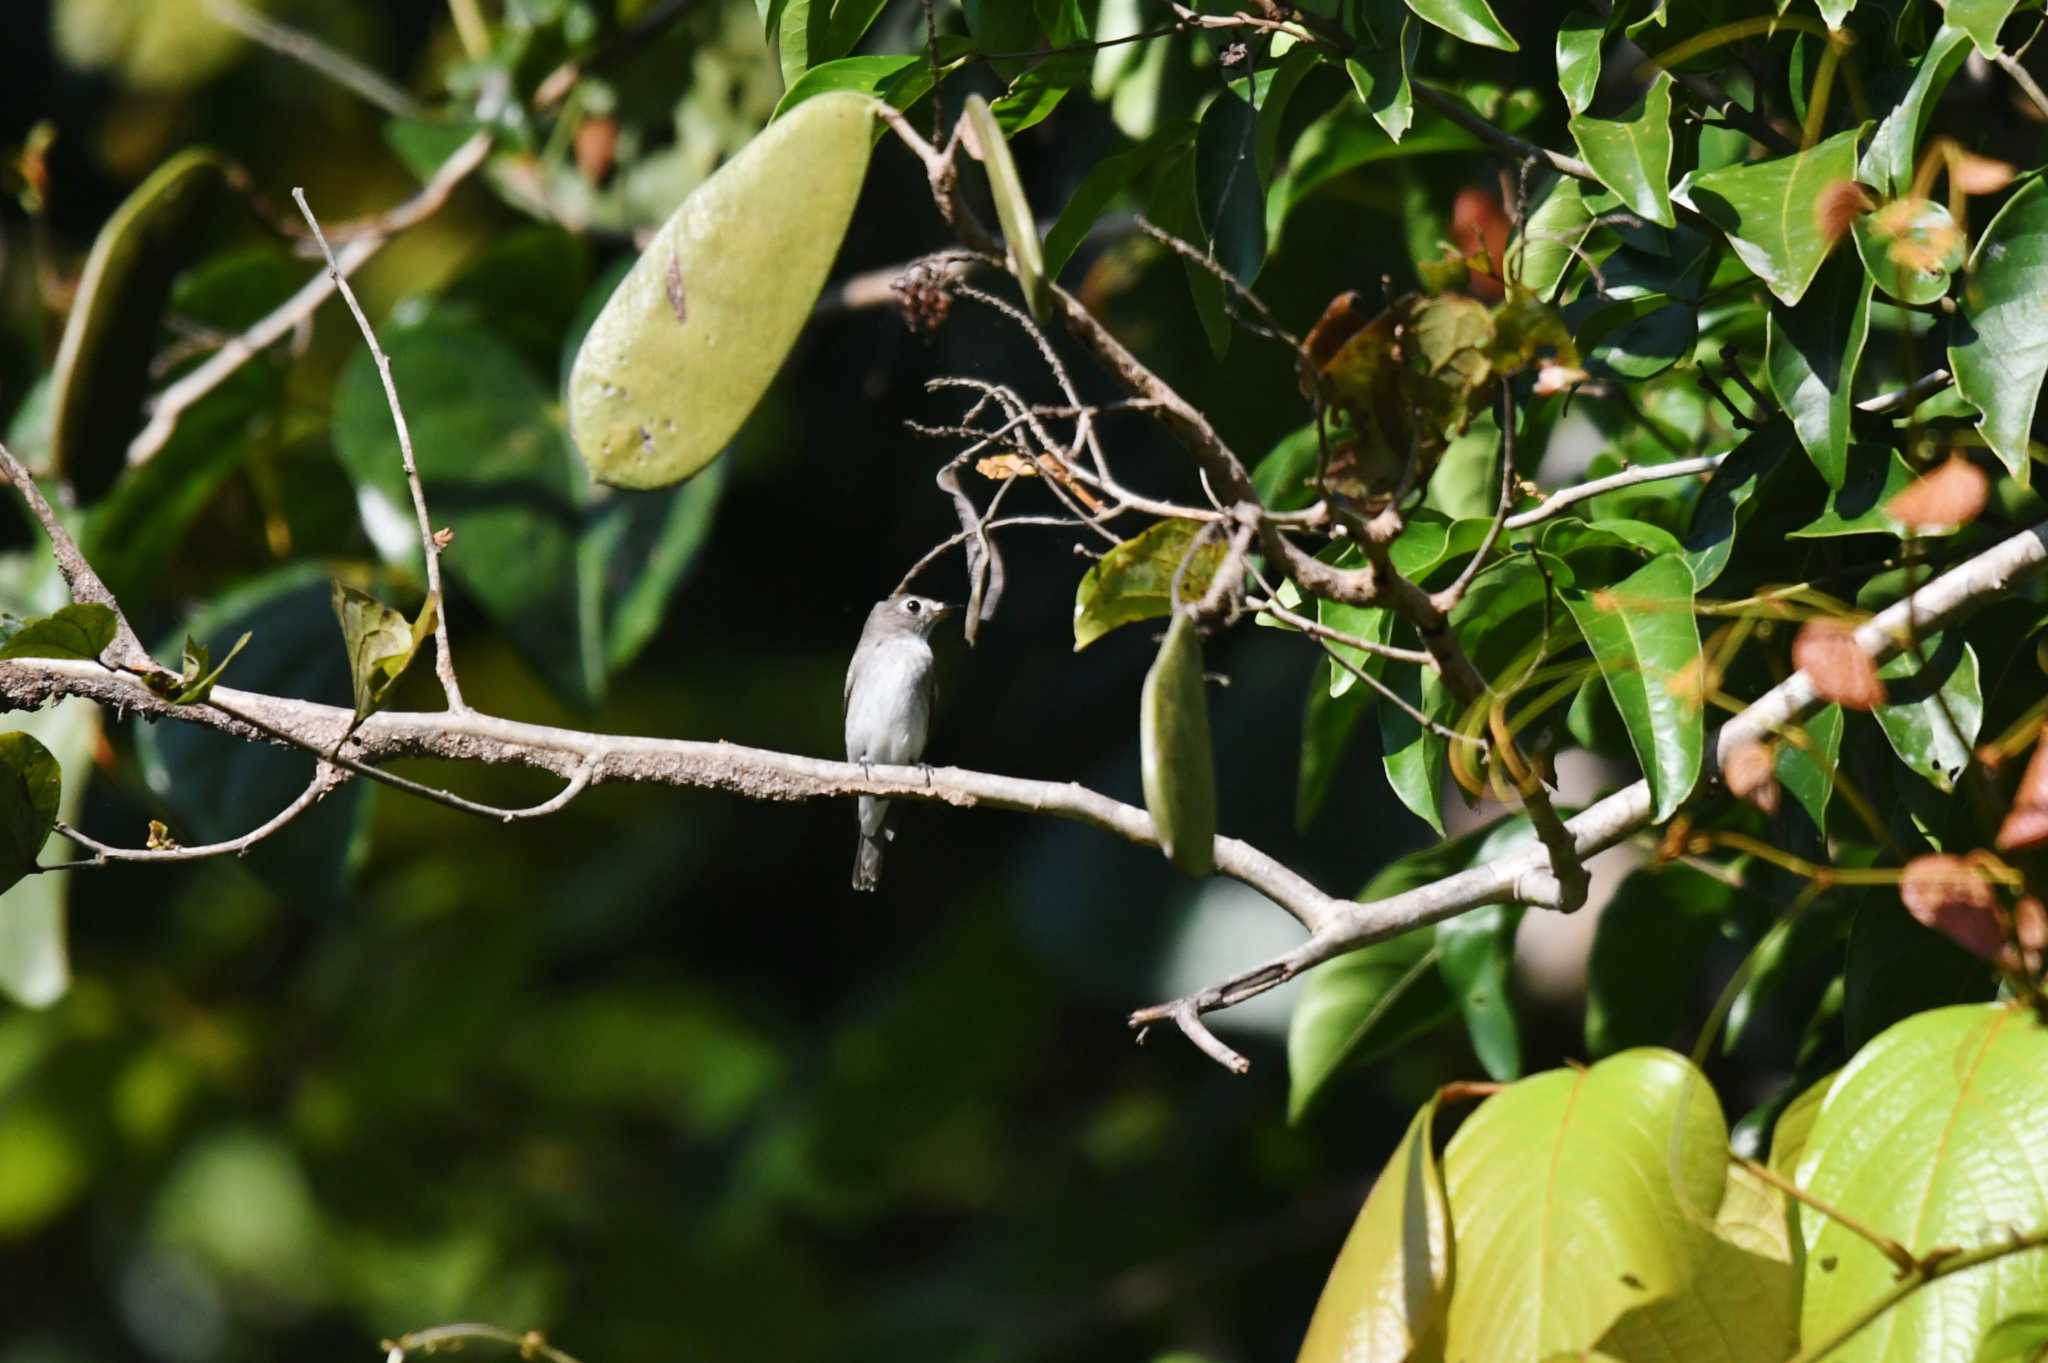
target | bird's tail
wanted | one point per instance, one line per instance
(867, 862)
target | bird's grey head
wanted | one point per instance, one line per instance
(906, 614)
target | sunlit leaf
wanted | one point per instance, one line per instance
(1889, 161)
(1580, 36)
(1910, 248)
(380, 642)
(1771, 210)
(1933, 707)
(1013, 209)
(198, 672)
(1643, 635)
(1811, 353)
(2000, 352)
(1981, 19)
(1379, 73)
(1632, 154)
(1134, 581)
(1472, 21)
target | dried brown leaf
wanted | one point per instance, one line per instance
(1826, 651)
(1943, 498)
(1951, 896)
(1970, 173)
(1750, 769)
(2026, 823)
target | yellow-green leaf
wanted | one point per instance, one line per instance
(1174, 752)
(381, 643)
(1013, 210)
(1134, 581)
(1775, 212)
(699, 326)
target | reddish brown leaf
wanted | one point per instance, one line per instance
(1949, 895)
(1750, 769)
(1970, 173)
(596, 140)
(1841, 672)
(2026, 823)
(1942, 498)
(2030, 924)
(1838, 206)
(1480, 228)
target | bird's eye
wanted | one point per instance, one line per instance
(912, 606)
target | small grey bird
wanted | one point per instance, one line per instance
(890, 691)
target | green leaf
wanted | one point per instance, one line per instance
(1810, 357)
(1661, 921)
(1981, 19)
(1013, 209)
(1910, 248)
(1475, 956)
(1896, 968)
(1933, 708)
(1327, 724)
(1579, 39)
(639, 547)
(1366, 622)
(34, 964)
(2021, 1338)
(31, 783)
(1770, 210)
(1632, 154)
(1643, 635)
(1558, 223)
(1105, 180)
(1728, 500)
(864, 75)
(380, 643)
(1873, 476)
(2000, 351)
(217, 786)
(498, 471)
(1934, 1132)
(1362, 1007)
(1134, 581)
(1888, 163)
(195, 682)
(1809, 772)
(76, 631)
(1471, 21)
(1616, 1180)
(1175, 207)
(1174, 750)
(1380, 76)
(698, 328)
(1390, 1289)
(1285, 478)
(1231, 201)
(102, 369)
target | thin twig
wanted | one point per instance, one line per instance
(2024, 79)
(1909, 397)
(531, 1344)
(304, 48)
(370, 236)
(444, 658)
(1613, 482)
(325, 779)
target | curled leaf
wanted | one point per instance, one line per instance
(194, 682)
(381, 643)
(1174, 752)
(1827, 652)
(1750, 769)
(1951, 896)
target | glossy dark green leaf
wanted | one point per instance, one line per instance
(1175, 208)
(1360, 1008)
(1771, 210)
(1470, 21)
(76, 631)
(1934, 706)
(1174, 750)
(217, 786)
(1227, 188)
(1476, 956)
(1134, 581)
(1785, 958)
(1647, 643)
(1643, 337)
(1728, 500)
(1379, 73)
(1999, 354)
(1580, 38)
(194, 682)
(1888, 163)
(31, 783)
(1327, 726)
(1897, 968)
(1810, 358)
(379, 642)
(1013, 209)
(1285, 478)
(1647, 951)
(1632, 154)
(1273, 95)
(639, 547)
(866, 75)
(102, 368)
(1873, 475)
(696, 331)
(1098, 189)
(1807, 771)
(498, 471)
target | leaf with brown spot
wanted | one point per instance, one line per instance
(1826, 651)
(2026, 823)
(1943, 498)
(1949, 895)
(672, 283)
(1840, 204)
(1750, 769)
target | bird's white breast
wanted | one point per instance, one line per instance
(887, 707)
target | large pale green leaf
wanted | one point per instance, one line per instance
(1632, 154)
(1390, 1289)
(2000, 352)
(1643, 635)
(1888, 163)
(2022, 1338)
(1134, 581)
(1472, 21)
(1174, 750)
(35, 967)
(102, 369)
(1936, 1134)
(1810, 356)
(1593, 1210)
(697, 329)
(1772, 210)
(1933, 707)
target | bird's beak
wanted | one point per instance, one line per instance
(947, 610)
